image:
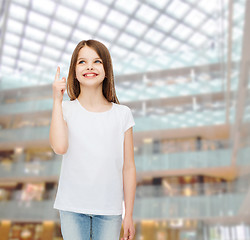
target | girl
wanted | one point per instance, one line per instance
(93, 132)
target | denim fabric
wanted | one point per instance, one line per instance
(79, 226)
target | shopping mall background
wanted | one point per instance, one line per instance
(182, 66)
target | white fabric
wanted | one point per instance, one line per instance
(91, 178)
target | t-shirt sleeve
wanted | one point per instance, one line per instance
(65, 110)
(128, 119)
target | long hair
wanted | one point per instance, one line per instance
(108, 86)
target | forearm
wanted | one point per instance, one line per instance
(129, 187)
(58, 135)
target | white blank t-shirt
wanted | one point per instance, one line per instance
(91, 179)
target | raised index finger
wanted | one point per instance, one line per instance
(57, 73)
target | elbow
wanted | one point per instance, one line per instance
(60, 151)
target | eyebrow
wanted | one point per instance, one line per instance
(85, 58)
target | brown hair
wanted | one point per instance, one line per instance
(108, 86)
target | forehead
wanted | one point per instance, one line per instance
(87, 52)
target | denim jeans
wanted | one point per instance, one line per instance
(79, 226)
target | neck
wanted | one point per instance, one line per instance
(92, 96)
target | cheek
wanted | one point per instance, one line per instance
(78, 70)
(101, 69)
(78, 73)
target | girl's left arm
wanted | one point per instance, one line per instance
(129, 184)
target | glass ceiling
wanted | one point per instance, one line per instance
(142, 36)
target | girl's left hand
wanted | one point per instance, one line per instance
(128, 226)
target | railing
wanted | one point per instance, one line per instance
(148, 122)
(195, 207)
(185, 160)
(195, 189)
(150, 162)
(143, 163)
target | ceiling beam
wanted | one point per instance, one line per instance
(229, 58)
(242, 86)
(5, 9)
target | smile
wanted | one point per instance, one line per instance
(90, 75)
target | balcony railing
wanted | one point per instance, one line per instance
(145, 208)
(149, 162)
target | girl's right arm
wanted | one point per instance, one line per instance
(58, 135)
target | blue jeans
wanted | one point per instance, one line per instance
(79, 226)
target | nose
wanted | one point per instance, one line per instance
(89, 67)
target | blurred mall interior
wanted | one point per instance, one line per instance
(182, 66)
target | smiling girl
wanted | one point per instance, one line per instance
(94, 133)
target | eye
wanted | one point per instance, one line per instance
(95, 61)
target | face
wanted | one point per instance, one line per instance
(88, 61)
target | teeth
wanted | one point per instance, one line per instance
(92, 74)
